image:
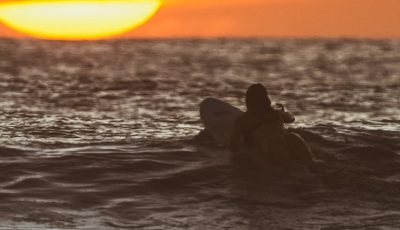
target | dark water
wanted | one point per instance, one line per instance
(100, 135)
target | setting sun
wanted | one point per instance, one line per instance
(75, 20)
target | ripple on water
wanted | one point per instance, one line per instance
(100, 134)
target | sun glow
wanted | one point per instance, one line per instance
(73, 20)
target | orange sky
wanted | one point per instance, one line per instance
(300, 18)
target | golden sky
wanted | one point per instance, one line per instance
(299, 18)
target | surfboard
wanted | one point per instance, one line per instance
(219, 118)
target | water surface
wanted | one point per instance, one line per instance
(100, 135)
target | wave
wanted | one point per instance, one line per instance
(102, 138)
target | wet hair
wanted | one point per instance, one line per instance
(258, 102)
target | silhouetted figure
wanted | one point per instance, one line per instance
(262, 127)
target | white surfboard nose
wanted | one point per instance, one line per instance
(218, 118)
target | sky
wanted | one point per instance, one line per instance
(270, 18)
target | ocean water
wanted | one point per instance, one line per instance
(102, 134)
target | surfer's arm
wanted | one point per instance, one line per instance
(287, 117)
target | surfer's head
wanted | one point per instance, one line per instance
(257, 99)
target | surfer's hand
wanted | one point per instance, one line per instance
(280, 106)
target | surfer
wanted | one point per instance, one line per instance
(262, 127)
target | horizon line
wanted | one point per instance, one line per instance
(237, 37)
